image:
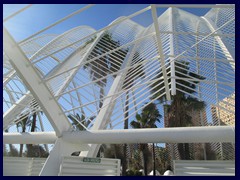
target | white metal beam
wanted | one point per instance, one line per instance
(19, 11)
(160, 50)
(196, 5)
(108, 104)
(30, 138)
(61, 148)
(34, 83)
(226, 48)
(172, 29)
(10, 115)
(73, 59)
(199, 88)
(9, 77)
(155, 135)
(57, 22)
(201, 134)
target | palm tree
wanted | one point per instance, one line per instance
(128, 83)
(29, 120)
(80, 122)
(104, 65)
(147, 119)
(182, 104)
(162, 160)
(36, 151)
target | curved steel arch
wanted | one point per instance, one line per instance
(158, 48)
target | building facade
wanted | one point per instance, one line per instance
(224, 114)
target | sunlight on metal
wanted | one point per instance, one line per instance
(86, 87)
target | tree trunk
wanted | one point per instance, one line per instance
(181, 151)
(21, 145)
(187, 151)
(145, 158)
(34, 122)
(101, 96)
(154, 163)
(30, 150)
(124, 164)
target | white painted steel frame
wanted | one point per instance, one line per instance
(14, 14)
(228, 51)
(38, 88)
(171, 24)
(108, 104)
(49, 102)
(57, 22)
(153, 135)
(160, 50)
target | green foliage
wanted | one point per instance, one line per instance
(78, 121)
(133, 172)
(30, 120)
(104, 65)
(147, 119)
(182, 71)
(36, 151)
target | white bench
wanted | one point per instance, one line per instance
(22, 166)
(204, 168)
(80, 166)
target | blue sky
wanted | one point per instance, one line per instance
(42, 15)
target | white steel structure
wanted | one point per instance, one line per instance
(109, 75)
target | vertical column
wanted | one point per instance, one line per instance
(172, 64)
(160, 50)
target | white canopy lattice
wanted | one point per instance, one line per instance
(103, 78)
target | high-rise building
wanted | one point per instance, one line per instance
(223, 113)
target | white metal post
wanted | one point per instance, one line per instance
(61, 148)
(42, 129)
(160, 50)
(26, 99)
(172, 29)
